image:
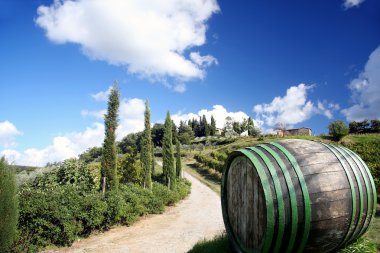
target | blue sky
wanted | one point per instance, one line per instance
(302, 63)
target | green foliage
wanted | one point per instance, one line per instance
(47, 215)
(129, 168)
(205, 126)
(185, 133)
(131, 140)
(167, 154)
(93, 171)
(8, 206)
(153, 161)
(174, 132)
(220, 156)
(61, 213)
(178, 159)
(365, 126)
(158, 132)
(236, 126)
(212, 126)
(219, 244)
(146, 150)
(362, 245)
(338, 130)
(91, 154)
(375, 126)
(70, 172)
(209, 162)
(109, 158)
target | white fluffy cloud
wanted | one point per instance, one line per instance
(131, 115)
(293, 108)
(102, 95)
(8, 132)
(151, 38)
(131, 119)
(62, 147)
(97, 114)
(203, 61)
(218, 112)
(352, 3)
(366, 91)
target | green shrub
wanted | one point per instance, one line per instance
(60, 206)
(220, 156)
(118, 212)
(8, 206)
(70, 172)
(209, 162)
(338, 130)
(129, 167)
(49, 215)
(94, 173)
(92, 213)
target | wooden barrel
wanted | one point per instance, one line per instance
(295, 196)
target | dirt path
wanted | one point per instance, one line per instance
(177, 230)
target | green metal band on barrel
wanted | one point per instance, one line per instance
(305, 195)
(279, 195)
(353, 192)
(292, 194)
(268, 202)
(373, 187)
(367, 188)
(357, 178)
(372, 183)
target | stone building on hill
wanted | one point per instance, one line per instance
(295, 131)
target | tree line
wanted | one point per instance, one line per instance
(338, 129)
(365, 126)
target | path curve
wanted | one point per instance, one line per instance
(197, 217)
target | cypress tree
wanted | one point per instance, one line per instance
(250, 127)
(8, 206)
(146, 150)
(109, 158)
(167, 153)
(153, 160)
(178, 159)
(175, 133)
(206, 127)
(213, 126)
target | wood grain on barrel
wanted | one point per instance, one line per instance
(246, 208)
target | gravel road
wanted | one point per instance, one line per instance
(177, 230)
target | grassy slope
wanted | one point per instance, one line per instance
(220, 242)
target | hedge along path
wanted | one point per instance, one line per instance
(197, 217)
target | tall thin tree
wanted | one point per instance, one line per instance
(178, 164)
(167, 153)
(8, 206)
(213, 126)
(109, 158)
(146, 150)
(153, 160)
